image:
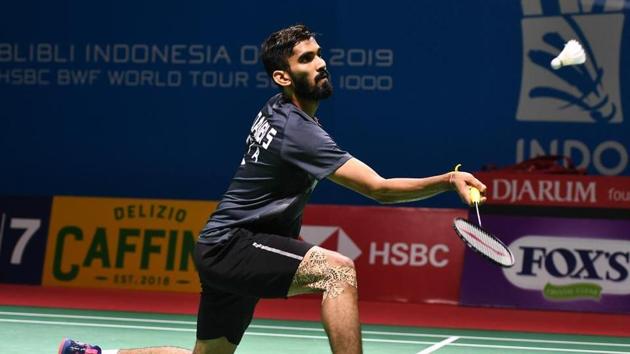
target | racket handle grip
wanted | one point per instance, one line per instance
(475, 195)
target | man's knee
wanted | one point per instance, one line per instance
(338, 259)
(327, 271)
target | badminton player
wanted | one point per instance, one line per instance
(249, 248)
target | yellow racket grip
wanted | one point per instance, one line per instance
(475, 195)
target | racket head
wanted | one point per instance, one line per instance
(484, 243)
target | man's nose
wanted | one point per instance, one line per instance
(321, 63)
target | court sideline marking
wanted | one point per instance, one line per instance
(289, 335)
(306, 329)
(439, 345)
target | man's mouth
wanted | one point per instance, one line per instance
(322, 76)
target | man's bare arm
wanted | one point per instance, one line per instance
(361, 178)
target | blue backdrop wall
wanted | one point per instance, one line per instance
(145, 99)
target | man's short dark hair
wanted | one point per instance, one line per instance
(278, 47)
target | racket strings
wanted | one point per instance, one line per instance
(484, 242)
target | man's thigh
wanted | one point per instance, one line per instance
(235, 274)
(251, 264)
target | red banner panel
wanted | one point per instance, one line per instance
(401, 254)
(557, 190)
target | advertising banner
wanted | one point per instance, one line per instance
(124, 243)
(23, 227)
(552, 190)
(167, 93)
(561, 264)
(401, 254)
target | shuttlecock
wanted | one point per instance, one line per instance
(572, 54)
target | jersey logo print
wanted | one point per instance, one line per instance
(255, 155)
(261, 134)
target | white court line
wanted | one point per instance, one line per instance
(439, 345)
(405, 334)
(175, 329)
(103, 325)
(272, 327)
(85, 317)
(551, 350)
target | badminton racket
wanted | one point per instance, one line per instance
(483, 242)
(480, 240)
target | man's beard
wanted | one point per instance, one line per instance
(317, 92)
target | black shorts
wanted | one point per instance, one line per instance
(237, 272)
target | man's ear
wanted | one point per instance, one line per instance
(281, 78)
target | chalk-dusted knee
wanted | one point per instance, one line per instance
(342, 277)
(339, 260)
(329, 272)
